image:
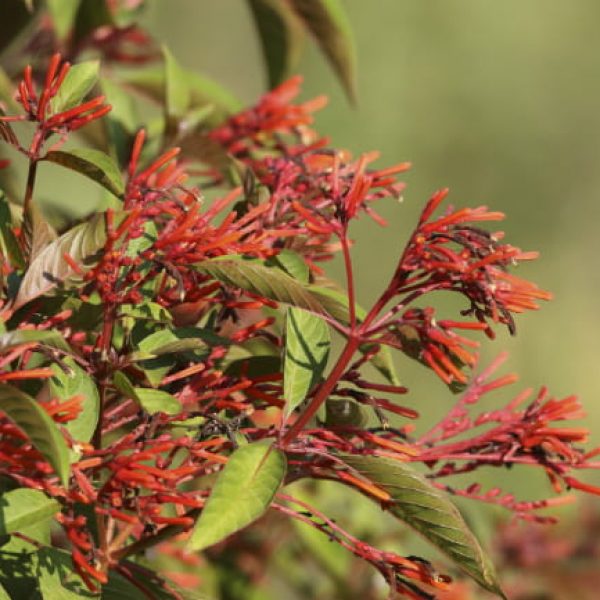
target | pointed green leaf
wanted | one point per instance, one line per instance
(280, 35)
(330, 26)
(41, 430)
(154, 401)
(94, 164)
(177, 90)
(23, 507)
(307, 344)
(49, 269)
(263, 281)
(429, 511)
(292, 263)
(80, 79)
(63, 14)
(8, 241)
(65, 386)
(242, 493)
(121, 122)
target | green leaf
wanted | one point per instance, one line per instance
(307, 344)
(63, 14)
(49, 269)
(177, 90)
(152, 401)
(263, 281)
(77, 383)
(3, 594)
(121, 122)
(80, 79)
(91, 15)
(157, 349)
(281, 37)
(155, 401)
(23, 507)
(41, 430)
(46, 337)
(330, 26)
(242, 493)
(419, 504)
(292, 263)
(94, 164)
(37, 232)
(204, 91)
(8, 240)
(147, 311)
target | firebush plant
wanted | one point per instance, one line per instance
(167, 367)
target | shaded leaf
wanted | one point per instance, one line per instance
(307, 343)
(41, 430)
(37, 232)
(22, 508)
(91, 15)
(47, 337)
(243, 492)
(264, 281)
(94, 164)
(121, 122)
(15, 17)
(330, 26)
(80, 79)
(8, 240)
(280, 35)
(419, 504)
(49, 269)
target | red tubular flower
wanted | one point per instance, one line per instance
(39, 106)
(274, 114)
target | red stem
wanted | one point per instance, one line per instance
(323, 392)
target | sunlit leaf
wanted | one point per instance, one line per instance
(177, 90)
(63, 14)
(41, 430)
(154, 401)
(94, 164)
(429, 511)
(330, 26)
(242, 493)
(65, 386)
(307, 343)
(281, 37)
(49, 269)
(80, 79)
(22, 508)
(292, 263)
